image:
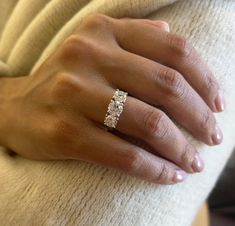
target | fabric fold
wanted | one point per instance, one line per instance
(4, 69)
(73, 192)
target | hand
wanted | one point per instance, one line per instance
(58, 112)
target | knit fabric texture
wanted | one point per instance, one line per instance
(73, 192)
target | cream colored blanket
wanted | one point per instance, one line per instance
(79, 193)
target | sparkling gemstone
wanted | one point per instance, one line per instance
(114, 108)
(120, 98)
(110, 121)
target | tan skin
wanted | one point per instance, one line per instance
(58, 112)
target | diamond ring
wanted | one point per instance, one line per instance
(115, 108)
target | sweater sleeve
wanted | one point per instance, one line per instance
(6, 8)
(36, 28)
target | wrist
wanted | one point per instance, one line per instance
(9, 90)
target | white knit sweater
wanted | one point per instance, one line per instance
(80, 193)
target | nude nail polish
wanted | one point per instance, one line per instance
(179, 176)
(166, 26)
(220, 102)
(197, 164)
(217, 137)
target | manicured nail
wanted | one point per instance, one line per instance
(165, 25)
(179, 176)
(159, 23)
(220, 102)
(197, 164)
(217, 137)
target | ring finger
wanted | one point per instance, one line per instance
(145, 122)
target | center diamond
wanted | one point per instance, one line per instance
(115, 108)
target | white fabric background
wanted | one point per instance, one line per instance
(79, 193)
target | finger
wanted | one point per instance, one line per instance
(173, 51)
(163, 25)
(154, 127)
(109, 150)
(143, 121)
(157, 84)
(157, 23)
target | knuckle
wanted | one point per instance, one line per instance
(76, 47)
(154, 124)
(133, 160)
(171, 78)
(187, 154)
(96, 21)
(163, 174)
(173, 83)
(180, 45)
(207, 121)
(211, 86)
(71, 46)
(58, 88)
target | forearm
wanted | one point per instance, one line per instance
(3, 103)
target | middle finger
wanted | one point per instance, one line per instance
(157, 84)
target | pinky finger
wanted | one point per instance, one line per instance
(106, 149)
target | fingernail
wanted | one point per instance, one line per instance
(217, 137)
(159, 23)
(220, 102)
(179, 176)
(197, 164)
(165, 25)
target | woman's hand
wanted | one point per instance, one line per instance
(58, 112)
